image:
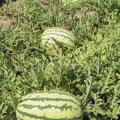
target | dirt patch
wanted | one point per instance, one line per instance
(4, 24)
(8, 13)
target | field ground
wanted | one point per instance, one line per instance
(90, 71)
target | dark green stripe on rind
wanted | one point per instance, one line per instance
(61, 42)
(51, 99)
(43, 117)
(60, 93)
(61, 35)
(63, 107)
(61, 31)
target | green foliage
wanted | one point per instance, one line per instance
(91, 71)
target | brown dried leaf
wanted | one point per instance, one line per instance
(4, 24)
(45, 2)
(78, 15)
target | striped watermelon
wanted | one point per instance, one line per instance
(49, 105)
(54, 35)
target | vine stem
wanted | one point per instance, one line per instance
(106, 81)
(88, 88)
(8, 118)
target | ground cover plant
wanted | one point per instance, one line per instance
(91, 71)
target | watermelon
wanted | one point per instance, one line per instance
(49, 105)
(55, 35)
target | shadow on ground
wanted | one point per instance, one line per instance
(2, 2)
